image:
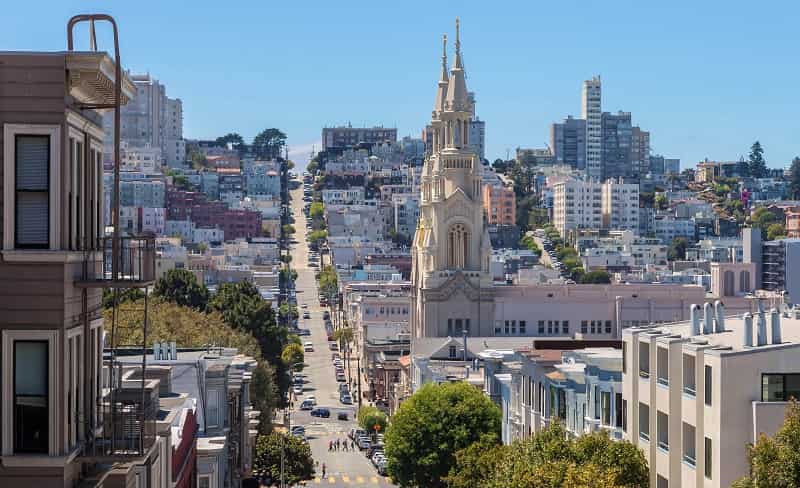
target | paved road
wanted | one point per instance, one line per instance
(342, 468)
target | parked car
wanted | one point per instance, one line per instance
(382, 468)
(321, 412)
(326, 315)
(356, 433)
(298, 428)
(363, 442)
(343, 388)
(303, 332)
(341, 377)
(333, 346)
(306, 315)
(346, 398)
(308, 347)
(297, 389)
(307, 405)
(342, 416)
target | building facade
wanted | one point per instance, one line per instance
(499, 203)
(342, 137)
(616, 144)
(568, 142)
(592, 113)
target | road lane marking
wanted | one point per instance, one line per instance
(345, 478)
(331, 480)
(359, 479)
(317, 481)
(374, 479)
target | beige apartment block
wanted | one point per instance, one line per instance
(695, 393)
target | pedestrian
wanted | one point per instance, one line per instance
(337, 444)
(330, 446)
(353, 445)
(323, 470)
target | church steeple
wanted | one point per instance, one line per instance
(457, 99)
(441, 89)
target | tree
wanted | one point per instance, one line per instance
(550, 459)
(328, 282)
(775, 461)
(677, 249)
(776, 231)
(180, 286)
(596, 277)
(369, 417)
(794, 179)
(762, 218)
(660, 201)
(431, 426)
(288, 229)
(476, 463)
(756, 163)
(269, 143)
(298, 464)
(294, 356)
(743, 168)
(318, 236)
(265, 394)
(235, 140)
(316, 210)
(125, 295)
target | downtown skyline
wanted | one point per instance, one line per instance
(700, 90)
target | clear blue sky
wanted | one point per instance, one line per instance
(705, 78)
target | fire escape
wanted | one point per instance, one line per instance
(122, 422)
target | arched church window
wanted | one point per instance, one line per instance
(457, 247)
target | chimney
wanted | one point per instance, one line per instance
(156, 351)
(762, 329)
(694, 314)
(775, 325)
(708, 319)
(748, 329)
(719, 324)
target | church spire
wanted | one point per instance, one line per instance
(444, 58)
(458, 63)
(457, 97)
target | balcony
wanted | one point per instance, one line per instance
(137, 264)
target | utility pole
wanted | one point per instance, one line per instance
(358, 374)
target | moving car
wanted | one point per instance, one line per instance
(303, 332)
(297, 389)
(340, 377)
(321, 412)
(334, 346)
(306, 405)
(306, 315)
(341, 416)
(346, 399)
(312, 399)
(308, 347)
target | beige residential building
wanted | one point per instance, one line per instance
(590, 205)
(695, 393)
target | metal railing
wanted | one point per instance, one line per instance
(136, 263)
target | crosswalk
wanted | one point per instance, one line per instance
(356, 480)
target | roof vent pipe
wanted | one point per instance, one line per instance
(748, 329)
(708, 319)
(719, 323)
(694, 314)
(775, 325)
(762, 329)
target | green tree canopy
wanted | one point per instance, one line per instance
(776, 231)
(596, 277)
(236, 141)
(328, 282)
(755, 161)
(431, 426)
(180, 286)
(369, 417)
(269, 144)
(293, 355)
(550, 459)
(343, 336)
(743, 168)
(316, 210)
(677, 249)
(298, 463)
(318, 236)
(775, 461)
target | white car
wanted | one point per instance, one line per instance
(298, 389)
(312, 399)
(308, 347)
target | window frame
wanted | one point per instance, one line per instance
(9, 337)
(10, 133)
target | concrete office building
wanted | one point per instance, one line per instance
(592, 113)
(349, 136)
(777, 263)
(568, 142)
(640, 152)
(616, 133)
(591, 205)
(620, 205)
(696, 393)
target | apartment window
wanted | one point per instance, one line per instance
(522, 327)
(452, 352)
(624, 357)
(605, 407)
(497, 327)
(644, 360)
(450, 327)
(513, 327)
(662, 424)
(565, 326)
(204, 482)
(708, 385)
(662, 358)
(212, 412)
(780, 387)
(31, 397)
(584, 326)
(507, 328)
(689, 386)
(689, 454)
(592, 324)
(549, 327)
(618, 410)
(466, 327)
(708, 459)
(624, 415)
(661, 482)
(644, 421)
(541, 327)
(458, 326)
(32, 191)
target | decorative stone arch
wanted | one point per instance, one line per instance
(459, 235)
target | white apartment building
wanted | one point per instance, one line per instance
(620, 205)
(696, 393)
(667, 228)
(590, 205)
(592, 112)
(349, 196)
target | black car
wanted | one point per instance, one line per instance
(342, 416)
(321, 412)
